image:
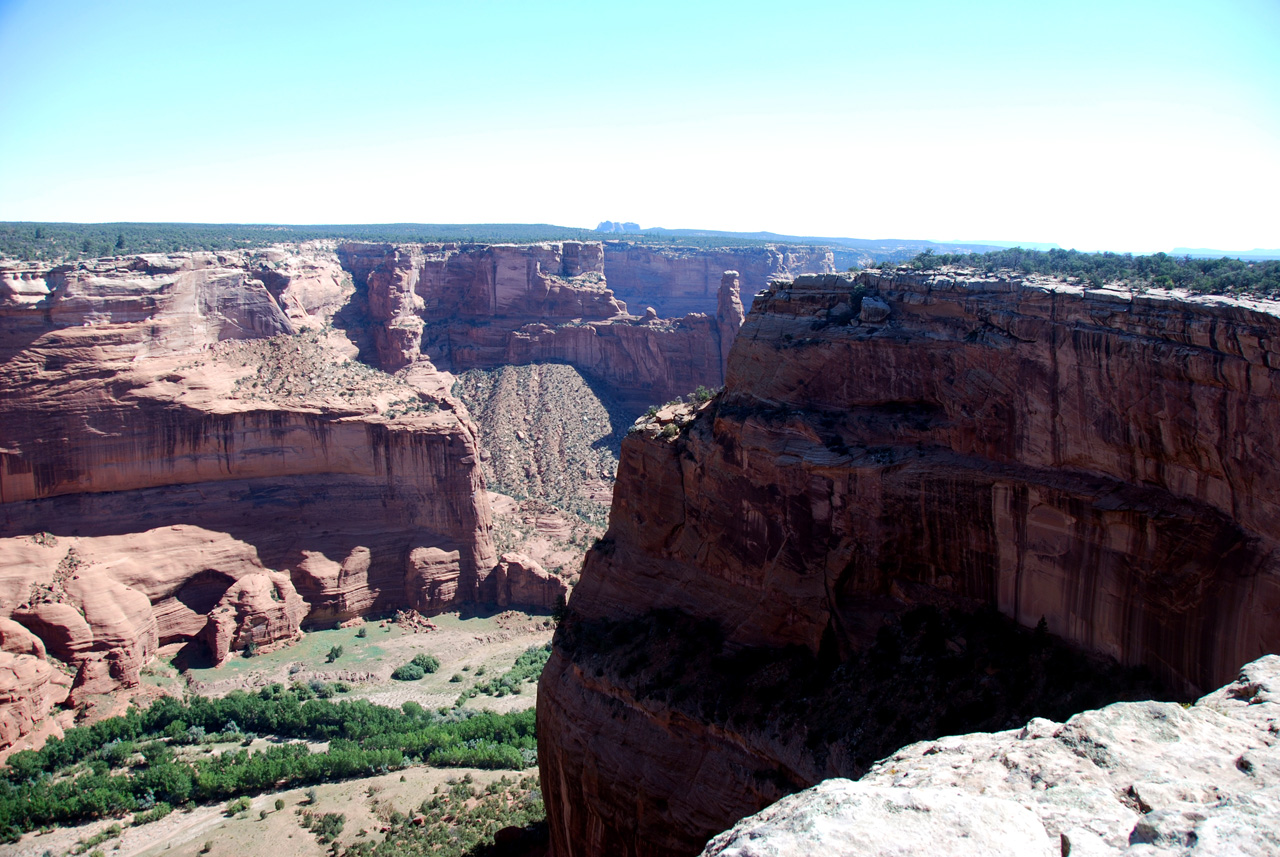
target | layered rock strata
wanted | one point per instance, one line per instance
(1091, 458)
(29, 689)
(676, 281)
(1144, 778)
(479, 307)
(189, 452)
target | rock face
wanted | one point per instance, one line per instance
(887, 442)
(29, 689)
(1132, 778)
(187, 453)
(679, 280)
(519, 581)
(729, 312)
(257, 610)
(480, 307)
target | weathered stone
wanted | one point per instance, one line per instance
(680, 280)
(29, 689)
(431, 579)
(137, 426)
(1129, 779)
(520, 581)
(258, 611)
(729, 312)
(873, 311)
(981, 446)
(840, 818)
(480, 307)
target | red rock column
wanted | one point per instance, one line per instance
(729, 316)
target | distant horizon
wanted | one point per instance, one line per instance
(1258, 253)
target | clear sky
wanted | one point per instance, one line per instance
(1098, 125)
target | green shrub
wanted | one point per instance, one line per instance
(240, 804)
(429, 663)
(416, 668)
(157, 812)
(408, 672)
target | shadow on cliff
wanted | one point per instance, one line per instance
(929, 673)
(353, 320)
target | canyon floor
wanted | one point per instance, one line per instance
(473, 647)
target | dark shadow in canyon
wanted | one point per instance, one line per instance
(929, 673)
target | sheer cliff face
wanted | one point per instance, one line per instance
(167, 450)
(680, 280)
(1094, 458)
(480, 307)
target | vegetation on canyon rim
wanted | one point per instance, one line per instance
(132, 763)
(462, 820)
(1160, 270)
(64, 242)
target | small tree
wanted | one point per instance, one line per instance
(334, 654)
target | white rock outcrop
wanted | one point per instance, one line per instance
(1136, 778)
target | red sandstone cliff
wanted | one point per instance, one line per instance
(180, 459)
(479, 307)
(1094, 457)
(679, 280)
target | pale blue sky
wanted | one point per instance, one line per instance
(1109, 125)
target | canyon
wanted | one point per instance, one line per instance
(925, 503)
(226, 449)
(479, 307)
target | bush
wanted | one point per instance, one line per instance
(429, 663)
(408, 672)
(416, 668)
(362, 632)
(240, 804)
(328, 826)
(334, 654)
(157, 812)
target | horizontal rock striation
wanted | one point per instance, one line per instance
(1131, 778)
(187, 453)
(29, 689)
(676, 281)
(483, 306)
(885, 443)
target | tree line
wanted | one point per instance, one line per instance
(67, 242)
(129, 763)
(1159, 270)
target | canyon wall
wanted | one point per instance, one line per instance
(676, 281)
(188, 452)
(1092, 463)
(483, 306)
